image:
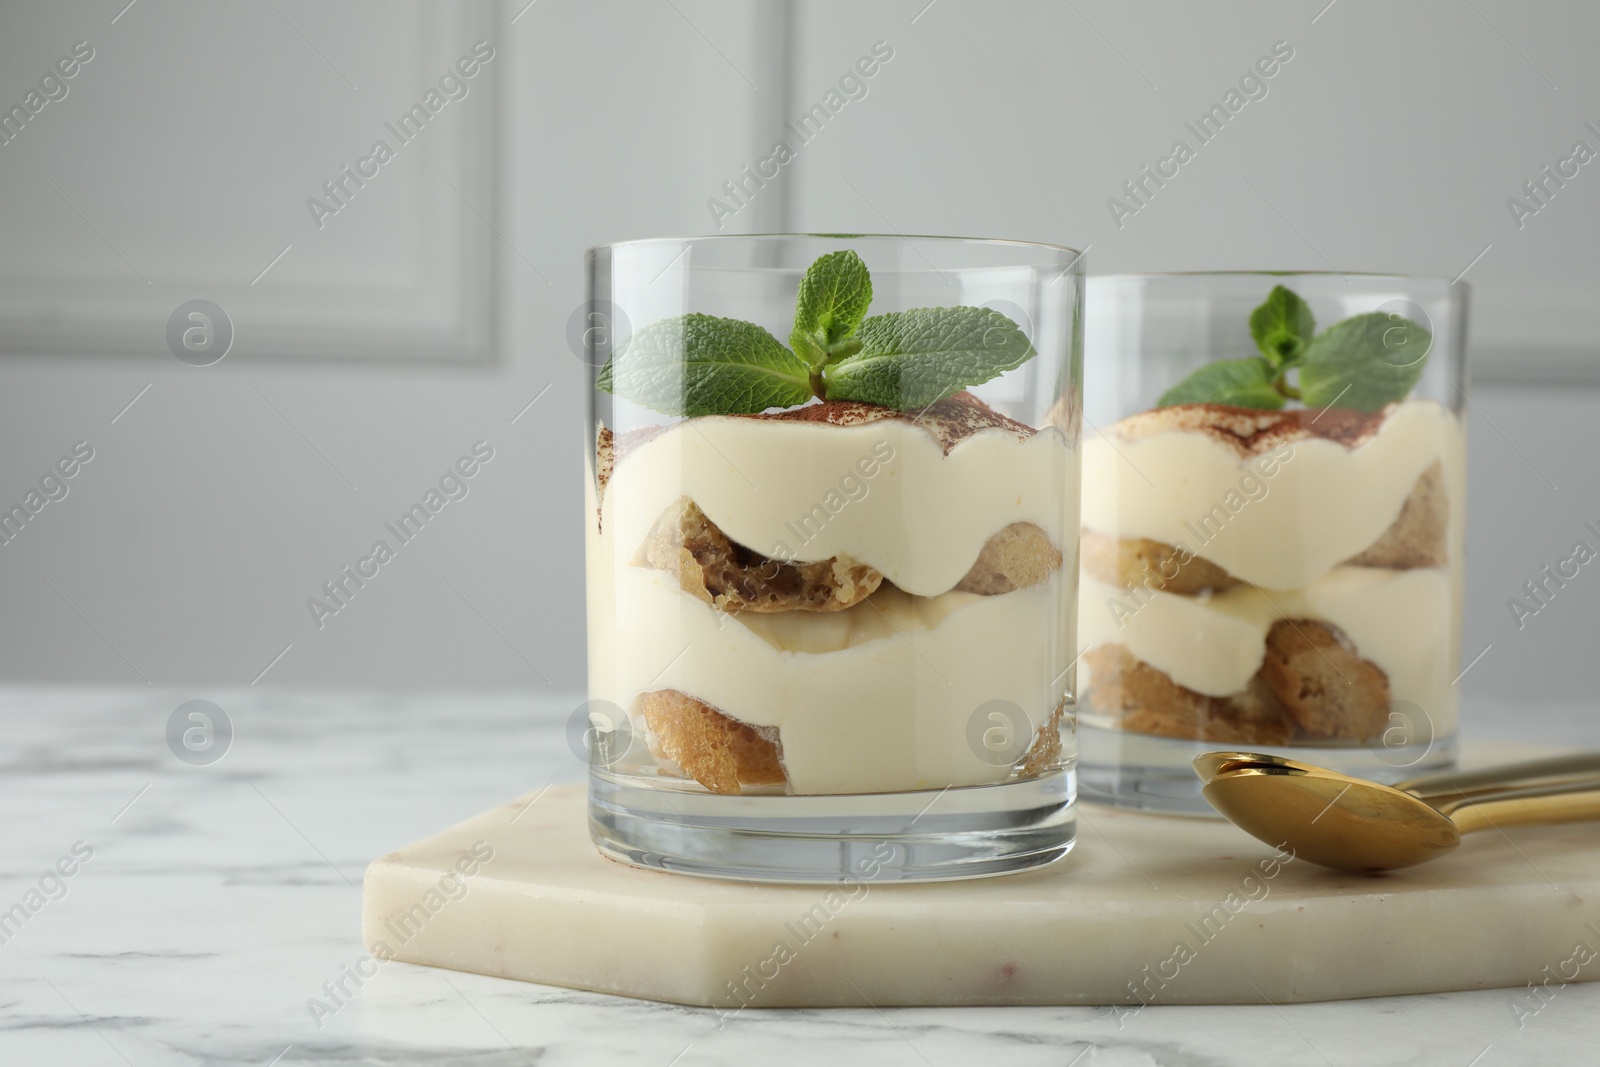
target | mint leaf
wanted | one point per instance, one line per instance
(910, 359)
(1243, 383)
(1364, 362)
(833, 299)
(702, 365)
(1282, 327)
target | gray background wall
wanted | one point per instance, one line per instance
(430, 311)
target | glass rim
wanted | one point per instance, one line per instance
(1449, 283)
(1002, 242)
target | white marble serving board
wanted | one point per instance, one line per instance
(1146, 909)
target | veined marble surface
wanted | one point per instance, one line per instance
(221, 902)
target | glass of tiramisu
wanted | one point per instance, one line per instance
(832, 528)
(1274, 497)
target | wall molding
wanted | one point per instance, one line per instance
(442, 305)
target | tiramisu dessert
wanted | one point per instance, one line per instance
(1256, 575)
(820, 577)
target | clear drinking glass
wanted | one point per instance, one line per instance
(1285, 579)
(832, 640)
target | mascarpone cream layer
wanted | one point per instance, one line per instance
(879, 697)
(1403, 621)
(1322, 504)
(883, 493)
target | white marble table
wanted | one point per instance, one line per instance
(220, 900)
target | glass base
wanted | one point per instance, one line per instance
(1148, 773)
(934, 835)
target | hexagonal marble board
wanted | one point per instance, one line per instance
(1145, 909)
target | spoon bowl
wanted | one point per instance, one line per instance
(1330, 819)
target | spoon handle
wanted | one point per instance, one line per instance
(1507, 776)
(1577, 801)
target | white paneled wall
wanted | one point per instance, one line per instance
(427, 313)
(331, 207)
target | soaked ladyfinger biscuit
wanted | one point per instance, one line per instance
(718, 752)
(732, 578)
(1138, 561)
(1327, 687)
(1044, 752)
(1017, 557)
(1145, 699)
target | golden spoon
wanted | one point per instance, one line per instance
(1334, 820)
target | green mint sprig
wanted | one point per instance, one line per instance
(698, 364)
(1363, 362)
